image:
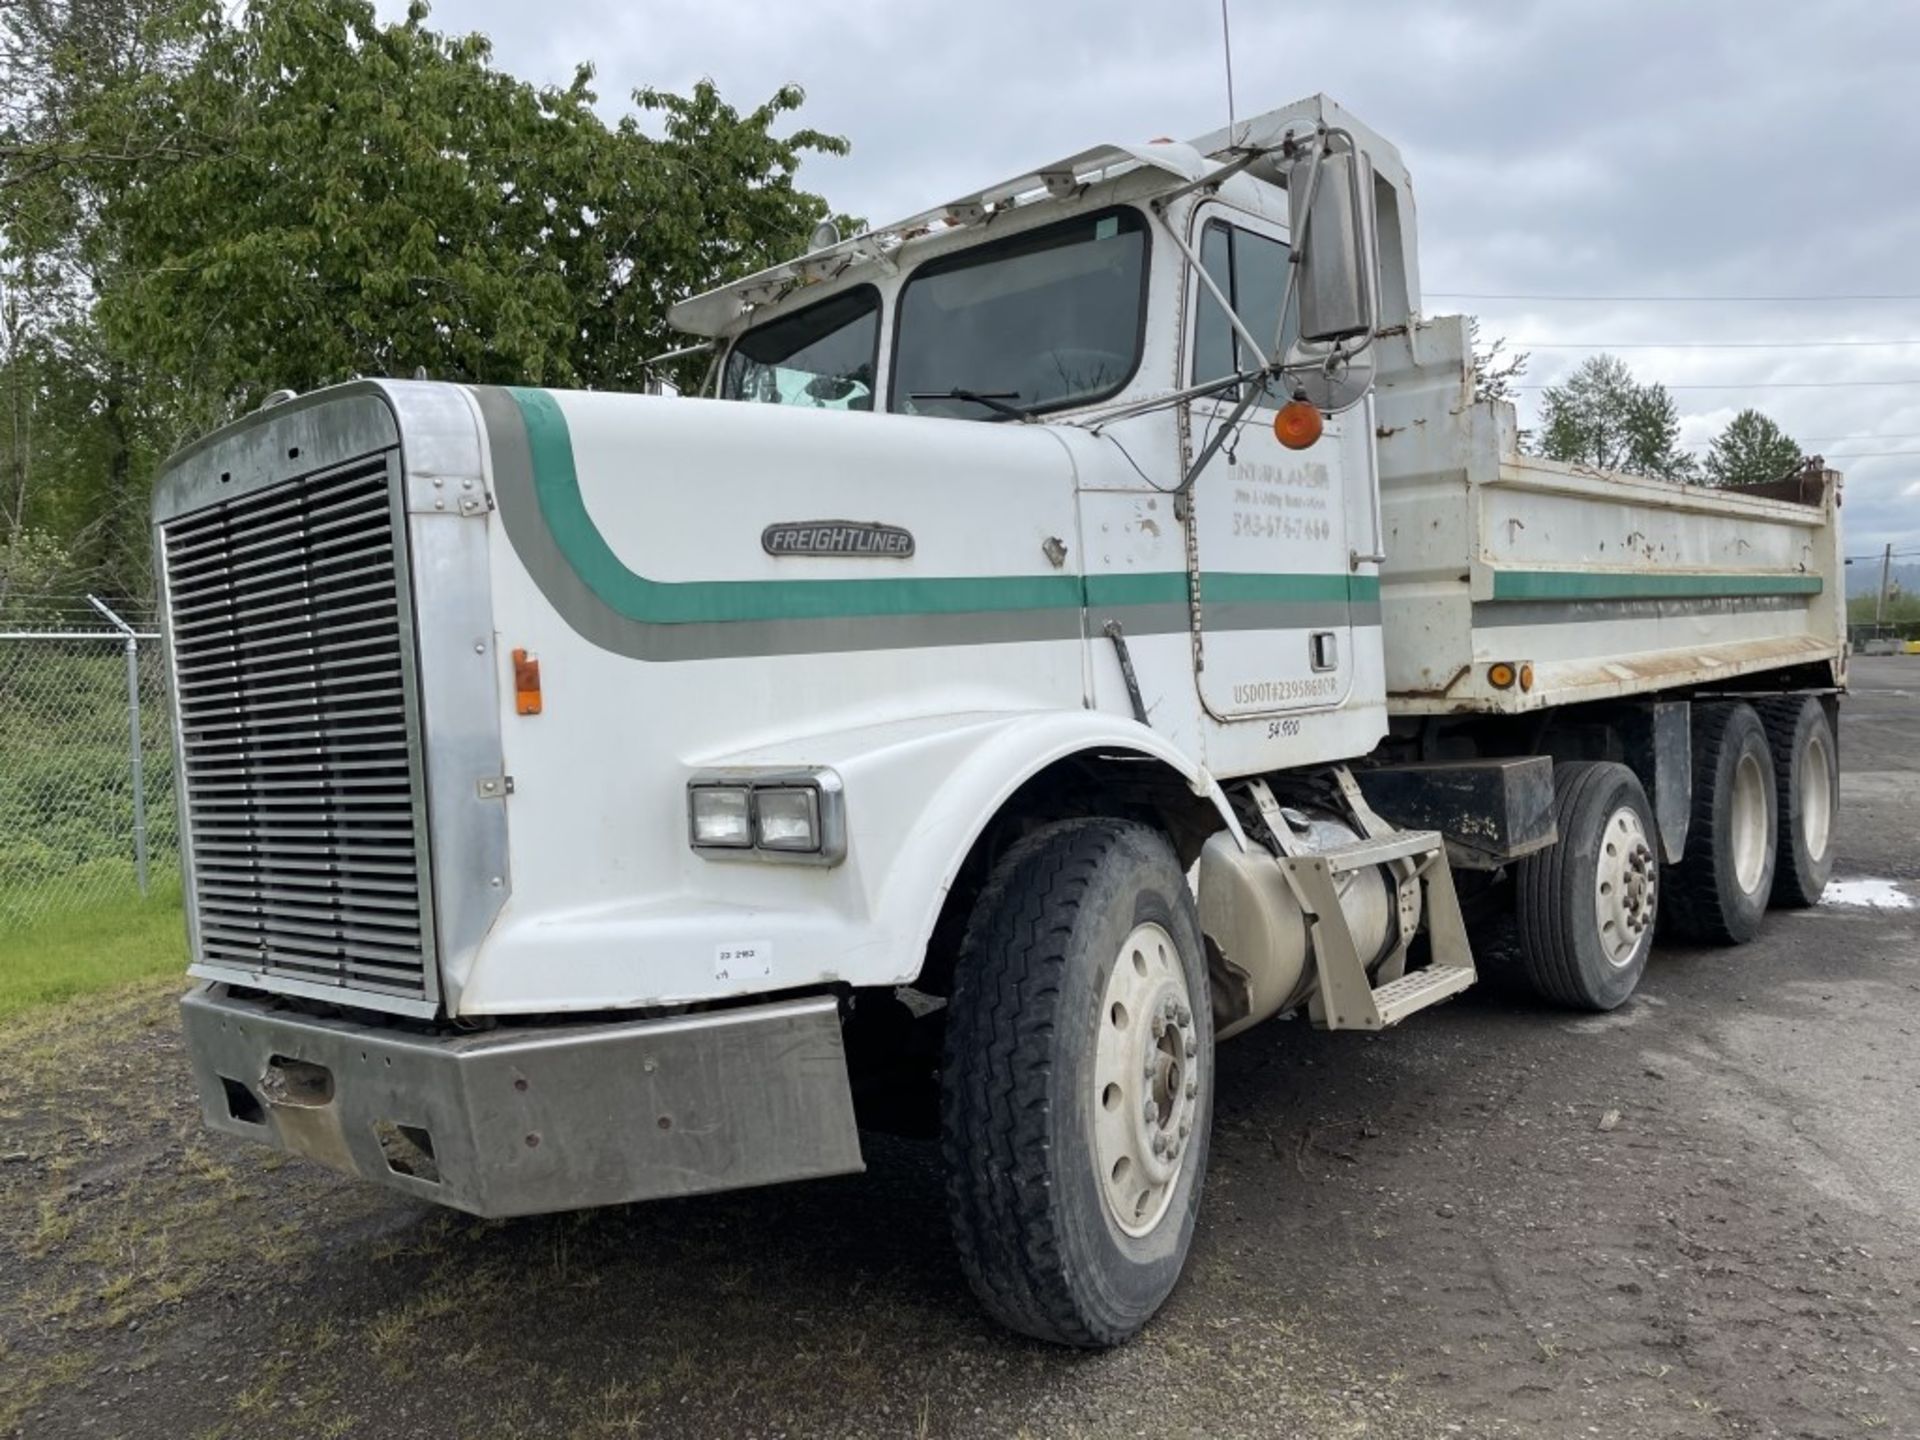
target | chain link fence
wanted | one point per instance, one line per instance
(86, 764)
(1891, 637)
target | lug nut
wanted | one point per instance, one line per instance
(1193, 1047)
(1185, 1015)
(1148, 1110)
(1186, 1128)
(1193, 1088)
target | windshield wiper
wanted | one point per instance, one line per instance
(995, 401)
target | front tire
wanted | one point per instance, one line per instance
(1077, 1089)
(1806, 768)
(1585, 905)
(1718, 892)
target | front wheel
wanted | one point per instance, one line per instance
(1077, 1089)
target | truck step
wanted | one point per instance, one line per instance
(1397, 999)
(1362, 853)
(1414, 861)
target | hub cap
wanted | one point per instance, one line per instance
(1146, 1079)
(1749, 816)
(1626, 886)
(1816, 796)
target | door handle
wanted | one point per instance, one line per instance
(1323, 650)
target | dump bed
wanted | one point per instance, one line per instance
(1605, 584)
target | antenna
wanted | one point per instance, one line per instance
(1226, 38)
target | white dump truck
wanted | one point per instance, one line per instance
(1068, 627)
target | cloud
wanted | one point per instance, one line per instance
(1631, 147)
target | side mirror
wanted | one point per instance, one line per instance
(1332, 219)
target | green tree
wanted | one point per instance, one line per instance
(1604, 418)
(1751, 451)
(71, 429)
(352, 197)
(202, 203)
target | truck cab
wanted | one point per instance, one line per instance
(1114, 299)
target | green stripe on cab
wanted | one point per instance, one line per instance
(537, 488)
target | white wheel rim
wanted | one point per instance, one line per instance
(1816, 796)
(1749, 819)
(1626, 886)
(1146, 1080)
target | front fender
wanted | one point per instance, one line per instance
(919, 793)
(914, 840)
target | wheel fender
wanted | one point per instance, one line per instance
(908, 840)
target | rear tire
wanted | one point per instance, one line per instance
(1077, 1090)
(1584, 907)
(1718, 892)
(1806, 768)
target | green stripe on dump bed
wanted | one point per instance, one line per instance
(1639, 585)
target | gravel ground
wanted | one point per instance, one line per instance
(1694, 1217)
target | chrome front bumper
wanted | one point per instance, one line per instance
(527, 1119)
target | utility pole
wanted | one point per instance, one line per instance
(1886, 568)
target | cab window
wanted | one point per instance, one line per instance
(1036, 321)
(822, 357)
(1251, 270)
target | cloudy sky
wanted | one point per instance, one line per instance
(1744, 148)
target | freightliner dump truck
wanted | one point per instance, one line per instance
(1068, 627)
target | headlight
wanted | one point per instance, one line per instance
(721, 815)
(797, 816)
(787, 819)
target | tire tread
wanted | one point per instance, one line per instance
(1691, 901)
(1793, 887)
(1547, 952)
(995, 1120)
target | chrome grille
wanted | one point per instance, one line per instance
(292, 674)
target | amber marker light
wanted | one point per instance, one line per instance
(526, 684)
(1501, 675)
(1526, 675)
(1297, 425)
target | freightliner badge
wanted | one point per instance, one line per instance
(860, 538)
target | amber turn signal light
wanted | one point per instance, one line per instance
(1526, 675)
(1297, 425)
(526, 684)
(1501, 675)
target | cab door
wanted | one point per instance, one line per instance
(1275, 553)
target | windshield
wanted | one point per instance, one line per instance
(1034, 322)
(823, 356)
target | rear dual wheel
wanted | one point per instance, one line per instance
(1719, 890)
(1765, 798)
(1806, 772)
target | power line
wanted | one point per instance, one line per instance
(1864, 435)
(1702, 344)
(1675, 299)
(1868, 454)
(1764, 385)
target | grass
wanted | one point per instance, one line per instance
(86, 950)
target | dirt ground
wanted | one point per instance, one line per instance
(1698, 1216)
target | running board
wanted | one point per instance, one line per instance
(1346, 998)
